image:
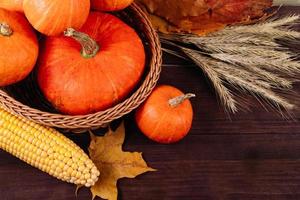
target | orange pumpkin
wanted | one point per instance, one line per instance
(52, 17)
(14, 5)
(94, 68)
(166, 116)
(110, 5)
(19, 47)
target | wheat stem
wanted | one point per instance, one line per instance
(249, 58)
(224, 94)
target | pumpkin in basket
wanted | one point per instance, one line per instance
(14, 5)
(52, 17)
(92, 69)
(19, 47)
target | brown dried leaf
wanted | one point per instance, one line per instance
(113, 163)
(204, 16)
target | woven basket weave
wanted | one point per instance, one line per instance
(25, 99)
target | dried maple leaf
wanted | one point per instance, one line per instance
(204, 16)
(113, 163)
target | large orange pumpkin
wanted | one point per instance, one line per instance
(14, 5)
(52, 17)
(166, 116)
(110, 5)
(81, 79)
(19, 47)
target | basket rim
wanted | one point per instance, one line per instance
(100, 118)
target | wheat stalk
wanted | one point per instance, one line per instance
(274, 79)
(286, 2)
(224, 93)
(249, 58)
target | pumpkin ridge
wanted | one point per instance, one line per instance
(133, 69)
(171, 138)
(113, 86)
(158, 124)
(12, 5)
(55, 23)
(148, 111)
(42, 19)
(55, 61)
(110, 5)
(24, 47)
(71, 3)
(69, 69)
(181, 119)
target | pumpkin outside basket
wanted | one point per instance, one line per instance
(26, 100)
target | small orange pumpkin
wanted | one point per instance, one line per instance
(52, 17)
(14, 5)
(19, 47)
(166, 116)
(102, 71)
(110, 5)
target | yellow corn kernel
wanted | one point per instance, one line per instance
(46, 149)
(73, 172)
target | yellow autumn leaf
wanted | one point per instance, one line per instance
(113, 163)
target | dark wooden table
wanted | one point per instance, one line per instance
(254, 155)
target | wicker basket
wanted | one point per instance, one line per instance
(26, 100)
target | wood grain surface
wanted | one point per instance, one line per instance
(252, 155)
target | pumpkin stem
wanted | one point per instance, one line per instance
(89, 46)
(5, 29)
(179, 100)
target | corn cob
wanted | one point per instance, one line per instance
(46, 149)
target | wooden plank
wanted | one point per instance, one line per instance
(249, 156)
